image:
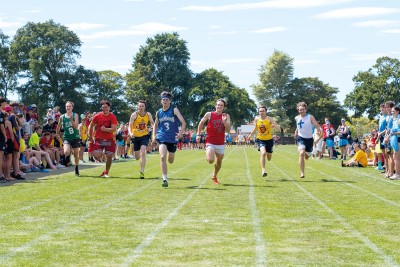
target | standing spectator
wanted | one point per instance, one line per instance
(304, 134)
(394, 142)
(34, 112)
(3, 135)
(49, 126)
(120, 141)
(16, 127)
(218, 123)
(139, 133)
(328, 133)
(343, 141)
(317, 150)
(381, 150)
(9, 150)
(71, 139)
(166, 132)
(240, 139)
(106, 124)
(82, 128)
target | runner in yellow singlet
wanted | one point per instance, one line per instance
(263, 127)
(138, 131)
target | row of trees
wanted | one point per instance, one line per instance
(39, 65)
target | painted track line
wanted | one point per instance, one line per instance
(387, 201)
(260, 244)
(150, 237)
(389, 261)
(4, 259)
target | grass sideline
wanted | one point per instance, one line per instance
(334, 217)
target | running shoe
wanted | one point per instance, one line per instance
(76, 171)
(164, 183)
(395, 177)
(141, 175)
(215, 180)
(264, 174)
(104, 174)
(60, 166)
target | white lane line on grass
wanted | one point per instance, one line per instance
(387, 201)
(389, 261)
(37, 204)
(260, 244)
(6, 257)
(150, 237)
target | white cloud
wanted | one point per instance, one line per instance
(154, 27)
(33, 11)
(391, 31)
(142, 29)
(215, 27)
(266, 4)
(223, 33)
(270, 30)
(357, 12)
(4, 24)
(377, 23)
(237, 60)
(367, 57)
(95, 46)
(328, 50)
(299, 62)
(85, 26)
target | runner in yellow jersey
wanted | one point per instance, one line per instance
(139, 133)
(263, 127)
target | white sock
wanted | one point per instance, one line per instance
(164, 177)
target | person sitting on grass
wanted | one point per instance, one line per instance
(359, 159)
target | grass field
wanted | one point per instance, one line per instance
(334, 217)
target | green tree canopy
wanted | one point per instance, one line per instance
(272, 91)
(320, 98)
(379, 84)
(8, 69)
(162, 64)
(46, 54)
(210, 85)
(110, 85)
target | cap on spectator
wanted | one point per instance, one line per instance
(49, 109)
(343, 119)
(33, 106)
(7, 108)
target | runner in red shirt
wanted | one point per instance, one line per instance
(106, 124)
(218, 123)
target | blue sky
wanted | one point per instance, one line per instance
(328, 39)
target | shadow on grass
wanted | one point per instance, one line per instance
(336, 181)
(118, 177)
(247, 185)
(204, 188)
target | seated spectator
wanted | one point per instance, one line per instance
(34, 144)
(30, 161)
(360, 158)
(47, 145)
